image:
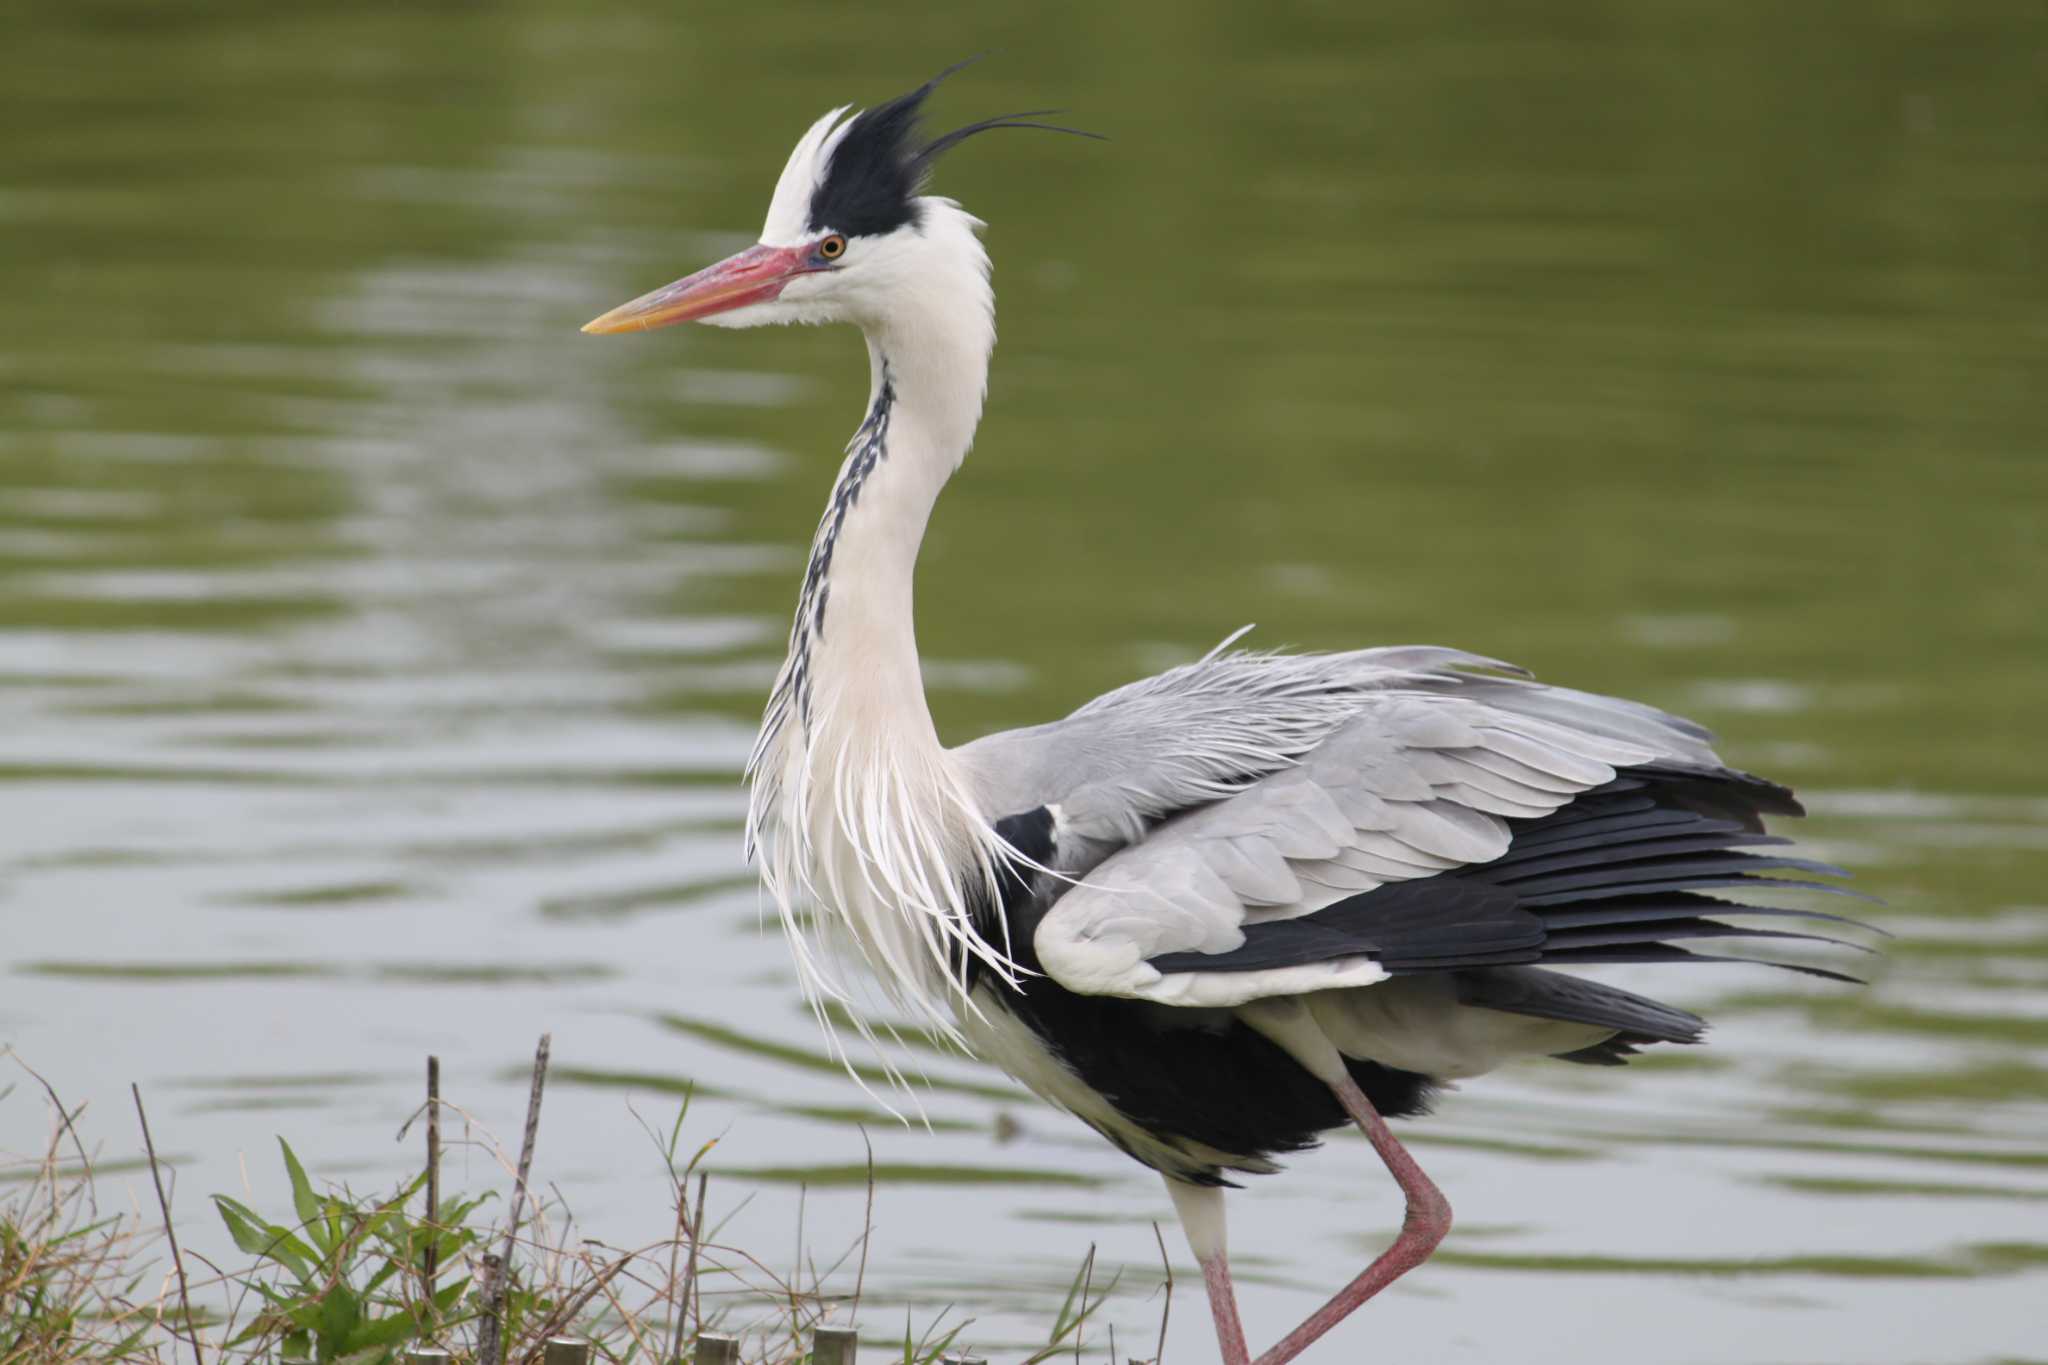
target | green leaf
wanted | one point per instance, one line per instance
(243, 1226)
(304, 1201)
(271, 1295)
(377, 1227)
(260, 1238)
(122, 1348)
(337, 1217)
(259, 1328)
(390, 1331)
(384, 1272)
(452, 1214)
(451, 1245)
(340, 1312)
(267, 1240)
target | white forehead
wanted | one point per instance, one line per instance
(789, 211)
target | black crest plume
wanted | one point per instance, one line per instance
(872, 182)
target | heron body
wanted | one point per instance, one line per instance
(1218, 912)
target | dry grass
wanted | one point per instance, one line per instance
(69, 1276)
(357, 1280)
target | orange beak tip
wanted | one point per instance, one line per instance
(610, 324)
(753, 276)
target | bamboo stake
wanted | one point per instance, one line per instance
(490, 1326)
(680, 1290)
(163, 1203)
(693, 1288)
(1166, 1308)
(433, 1264)
(490, 1350)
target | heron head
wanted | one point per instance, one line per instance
(848, 230)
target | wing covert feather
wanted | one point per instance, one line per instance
(1411, 783)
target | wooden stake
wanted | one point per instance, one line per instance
(565, 1351)
(834, 1346)
(714, 1348)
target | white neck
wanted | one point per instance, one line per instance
(856, 806)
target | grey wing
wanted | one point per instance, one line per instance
(1200, 732)
(1412, 783)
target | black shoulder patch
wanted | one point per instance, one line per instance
(1029, 833)
(1011, 919)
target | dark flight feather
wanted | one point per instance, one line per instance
(1544, 994)
(1617, 871)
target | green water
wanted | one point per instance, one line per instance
(377, 653)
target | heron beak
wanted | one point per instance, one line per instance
(753, 276)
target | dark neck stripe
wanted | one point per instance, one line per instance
(865, 452)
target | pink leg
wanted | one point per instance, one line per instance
(1223, 1308)
(1200, 1208)
(1427, 1220)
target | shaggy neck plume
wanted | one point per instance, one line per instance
(858, 814)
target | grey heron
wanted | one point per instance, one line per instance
(1218, 912)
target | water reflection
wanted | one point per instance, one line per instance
(382, 652)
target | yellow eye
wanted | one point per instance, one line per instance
(833, 247)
